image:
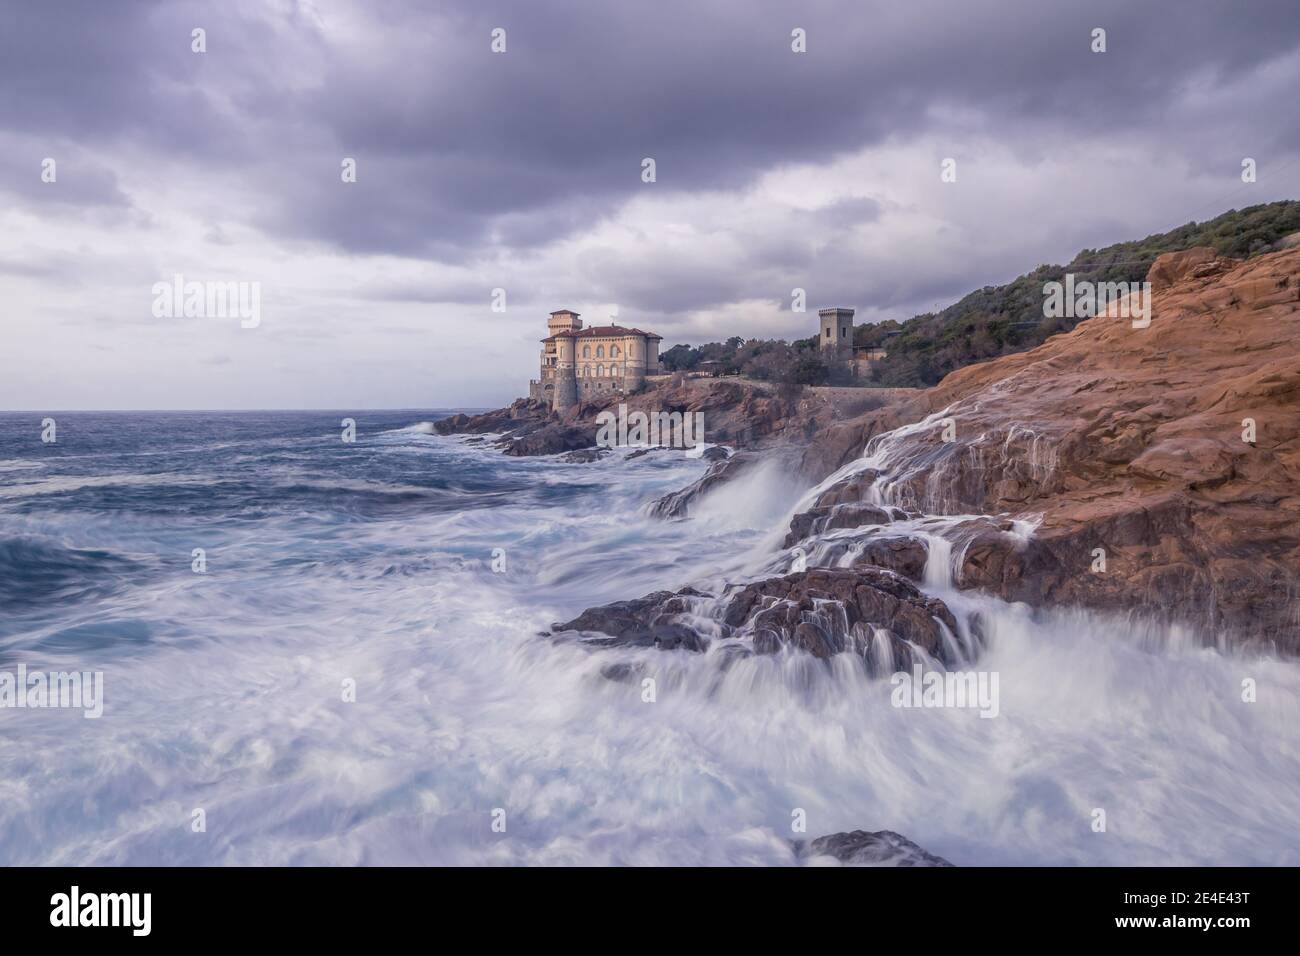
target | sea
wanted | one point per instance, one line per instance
(323, 644)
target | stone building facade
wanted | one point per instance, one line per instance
(578, 363)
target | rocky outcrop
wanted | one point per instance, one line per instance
(585, 456)
(904, 555)
(550, 438)
(1163, 462)
(863, 848)
(524, 428)
(827, 611)
(650, 621)
(739, 414)
(678, 504)
(823, 611)
(521, 413)
(828, 516)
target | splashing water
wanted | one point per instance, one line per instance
(374, 562)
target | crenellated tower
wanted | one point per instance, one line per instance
(836, 328)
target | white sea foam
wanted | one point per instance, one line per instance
(231, 702)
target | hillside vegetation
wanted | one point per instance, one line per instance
(995, 320)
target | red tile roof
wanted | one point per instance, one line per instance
(601, 331)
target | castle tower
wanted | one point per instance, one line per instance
(566, 376)
(836, 328)
(564, 320)
(634, 348)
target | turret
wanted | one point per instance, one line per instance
(633, 364)
(565, 320)
(566, 376)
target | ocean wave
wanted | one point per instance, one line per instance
(36, 570)
(424, 571)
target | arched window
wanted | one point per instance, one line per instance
(600, 371)
(600, 351)
(613, 370)
(613, 351)
(586, 351)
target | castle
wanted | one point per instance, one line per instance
(578, 363)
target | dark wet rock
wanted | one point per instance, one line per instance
(523, 428)
(642, 452)
(584, 455)
(678, 504)
(550, 439)
(821, 612)
(863, 848)
(902, 555)
(628, 621)
(642, 622)
(451, 425)
(830, 517)
(622, 673)
(827, 611)
(505, 419)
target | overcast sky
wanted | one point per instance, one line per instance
(522, 170)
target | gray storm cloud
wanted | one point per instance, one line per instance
(522, 169)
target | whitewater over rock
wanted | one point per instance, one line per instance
(1158, 468)
(862, 848)
(872, 613)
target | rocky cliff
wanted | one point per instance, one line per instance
(740, 414)
(1151, 470)
(1161, 464)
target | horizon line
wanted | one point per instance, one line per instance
(394, 408)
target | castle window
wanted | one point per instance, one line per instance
(586, 350)
(613, 351)
(600, 351)
(613, 370)
(600, 370)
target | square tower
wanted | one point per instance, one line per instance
(836, 328)
(563, 321)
